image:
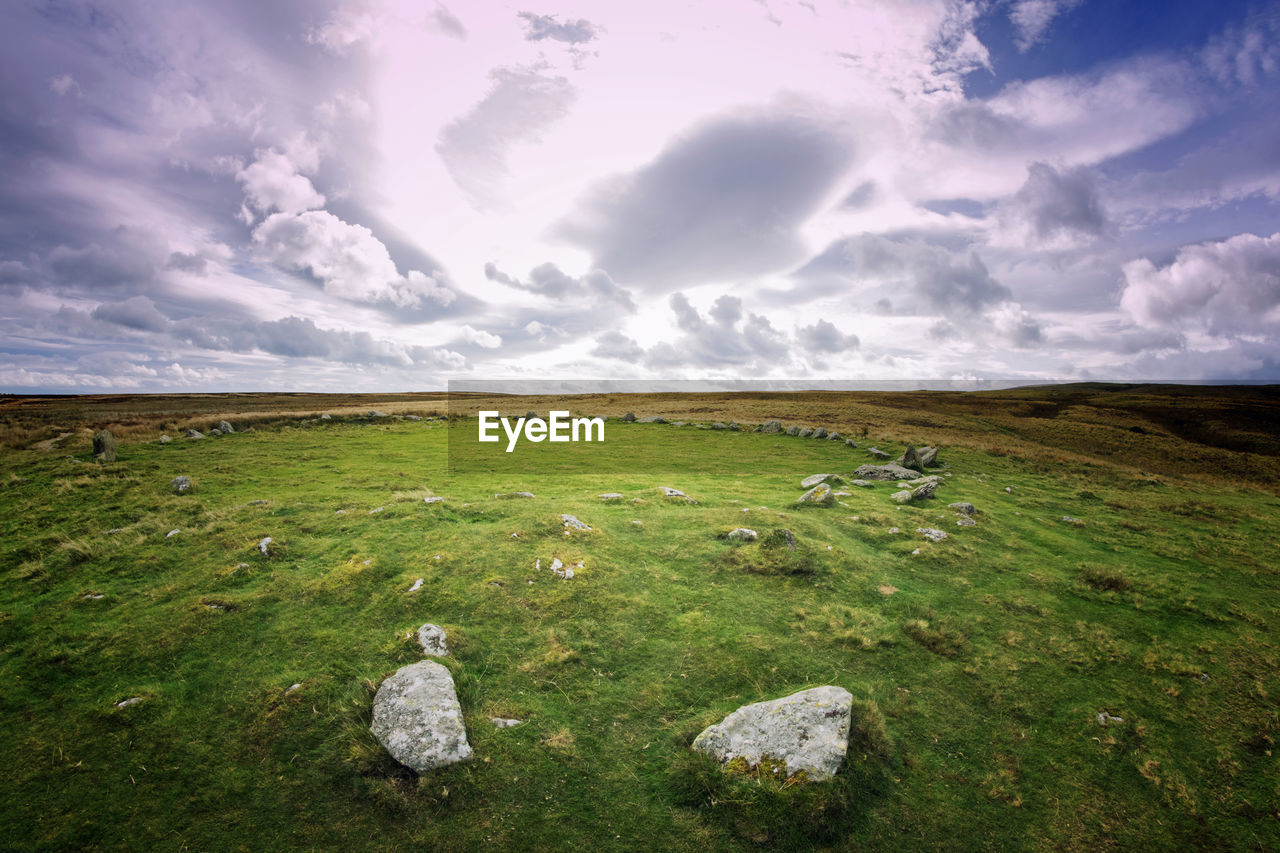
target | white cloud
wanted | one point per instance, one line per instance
(1228, 288)
(272, 182)
(479, 337)
(1033, 18)
(348, 259)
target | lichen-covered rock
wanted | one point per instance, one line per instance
(890, 471)
(104, 446)
(417, 717)
(815, 479)
(931, 533)
(226, 427)
(902, 497)
(809, 731)
(675, 494)
(742, 534)
(180, 484)
(924, 490)
(571, 522)
(628, 418)
(929, 457)
(793, 430)
(819, 495)
(194, 433)
(164, 439)
(849, 442)
(962, 507)
(432, 639)
(771, 427)
(833, 436)
(911, 459)
(805, 433)
(820, 432)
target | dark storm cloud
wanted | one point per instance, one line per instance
(539, 27)
(722, 202)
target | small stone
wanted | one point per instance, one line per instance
(966, 521)
(652, 419)
(180, 484)
(417, 585)
(174, 532)
(819, 495)
(719, 425)
(1104, 718)
(1069, 520)
(889, 472)
(572, 523)
(226, 427)
(433, 499)
(814, 479)
(292, 687)
(833, 436)
(93, 596)
(895, 530)
(628, 418)
(374, 413)
(932, 533)
(376, 510)
(215, 432)
(610, 496)
(340, 512)
(164, 439)
(259, 502)
(743, 534)
(820, 432)
(915, 552)
(501, 723)
(669, 492)
(911, 459)
(432, 639)
(901, 497)
(962, 507)
(805, 432)
(771, 427)
(264, 545)
(125, 703)
(878, 453)
(509, 495)
(191, 433)
(413, 417)
(793, 430)
(326, 416)
(849, 442)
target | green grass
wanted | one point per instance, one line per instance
(977, 680)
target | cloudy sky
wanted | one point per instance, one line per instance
(379, 195)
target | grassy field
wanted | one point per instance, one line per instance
(979, 664)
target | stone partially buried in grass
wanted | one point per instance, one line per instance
(104, 446)
(808, 731)
(418, 719)
(819, 495)
(815, 479)
(433, 641)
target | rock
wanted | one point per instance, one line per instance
(742, 534)
(433, 499)
(733, 425)
(789, 538)
(890, 471)
(895, 530)
(164, 439)
(104, 446)
(924, 490)
(805, 433)
(413, 417)
(417, 585)
(962, 507)
(326, 417)
(572, 523)
(1069, 520)
(793, 430)
(911, 459)
(719, 425)
(226, 427)
(258, 502)
(771, 427)
(501, 723)
(862, 484)
(374, 413)
(833, 436)
(932, 533)
(929, 457)
(809, 731)
(180, 484)
(669, 492)
(125, 703)
(902, 497)
(652, 419)
(191, 433)
(878, 453)
(966, 521)
(376, 510)
(265, 545)
(628, 418)
(819, 495)
(820, 432)
(172, 533)
(297, 685)
(432, 639)
(610, 496)
(515, 495)
(1104, 718)
(560, 570)
(814, 479)
(417, 718)
(215, 432)
(849, 442)
(530, 415)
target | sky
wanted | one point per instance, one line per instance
(380, 196)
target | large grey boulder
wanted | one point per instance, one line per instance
(226, 427)
(929, 457)
(771, 427)
(890, 471)
(432, 639)
(104, 446)
(808, 730)
(819, 495)
(417, 717)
